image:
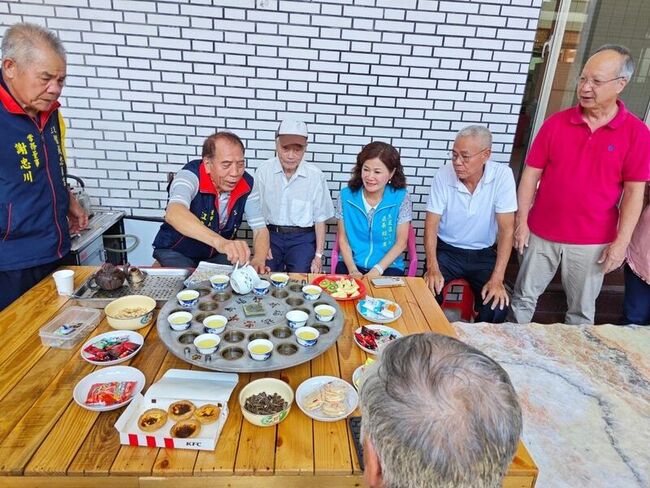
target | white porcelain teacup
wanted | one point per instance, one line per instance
(219, 282)
(180, 320)
(307, 336)
(296, 318)
(280, 280)
(311, 292)
(261, 287)
(188, 298)
(324, 313)
(207, 343)
(260, 349)
(214, 324)
(243, 278)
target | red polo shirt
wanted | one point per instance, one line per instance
(584, 171)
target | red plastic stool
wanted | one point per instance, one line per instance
(458, 294)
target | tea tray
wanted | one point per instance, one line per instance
(232, 355)
(161, 284)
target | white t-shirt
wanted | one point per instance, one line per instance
(303, 200)
(366, 205)
(468, 220)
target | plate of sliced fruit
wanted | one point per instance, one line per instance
(371, 338)
(341, 287)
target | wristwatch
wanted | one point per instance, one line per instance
(319, 255)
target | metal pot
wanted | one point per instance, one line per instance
(80, 194)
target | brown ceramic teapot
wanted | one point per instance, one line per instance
(109, 277)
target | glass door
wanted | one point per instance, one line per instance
(540, 72)
(569, 31)
(591, 24)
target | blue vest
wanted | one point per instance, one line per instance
(34, 199)
(371, 239)
(205, 206)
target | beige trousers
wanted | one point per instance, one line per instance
(582, 278)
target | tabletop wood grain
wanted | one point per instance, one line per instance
(47, 439)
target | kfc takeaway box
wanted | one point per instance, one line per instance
(147, 421)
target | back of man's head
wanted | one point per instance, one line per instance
(439, 413)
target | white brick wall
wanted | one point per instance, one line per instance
(149, 80)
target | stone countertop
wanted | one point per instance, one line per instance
(585, 393)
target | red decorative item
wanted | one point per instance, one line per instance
(110, 351)
(367, 338)
(106, 394)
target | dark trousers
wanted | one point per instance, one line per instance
(636, 304)
(174, 259)
(341, 268)
(14, 283)
(293, 252)
(476, 267)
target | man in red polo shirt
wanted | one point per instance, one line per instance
(584, 158)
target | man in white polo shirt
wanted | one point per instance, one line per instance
(468, 202)
(296, 203)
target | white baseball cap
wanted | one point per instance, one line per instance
(292, 127)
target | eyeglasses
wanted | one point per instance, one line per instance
(595, 83)
(454, 156)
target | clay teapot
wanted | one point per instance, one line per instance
(109, 277)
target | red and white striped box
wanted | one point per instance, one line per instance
(199, 387)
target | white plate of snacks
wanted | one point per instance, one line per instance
(108, 388)
(326, 398)
(379, 310)
(112, 348)
(371, 338)
(357, 376)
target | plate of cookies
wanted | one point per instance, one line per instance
(326, 398)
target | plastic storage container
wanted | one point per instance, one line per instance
(69, 327)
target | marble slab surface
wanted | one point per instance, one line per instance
(585, 393)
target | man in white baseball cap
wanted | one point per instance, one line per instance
(296, 202)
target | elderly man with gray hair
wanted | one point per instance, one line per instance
(581, 191)
(437, 413)
(37, 211)
(471, 201)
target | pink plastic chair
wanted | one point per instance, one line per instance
(410, 246)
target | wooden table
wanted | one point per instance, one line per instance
(46, 439)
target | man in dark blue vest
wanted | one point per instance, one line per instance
(208, 199)
(37, 212)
